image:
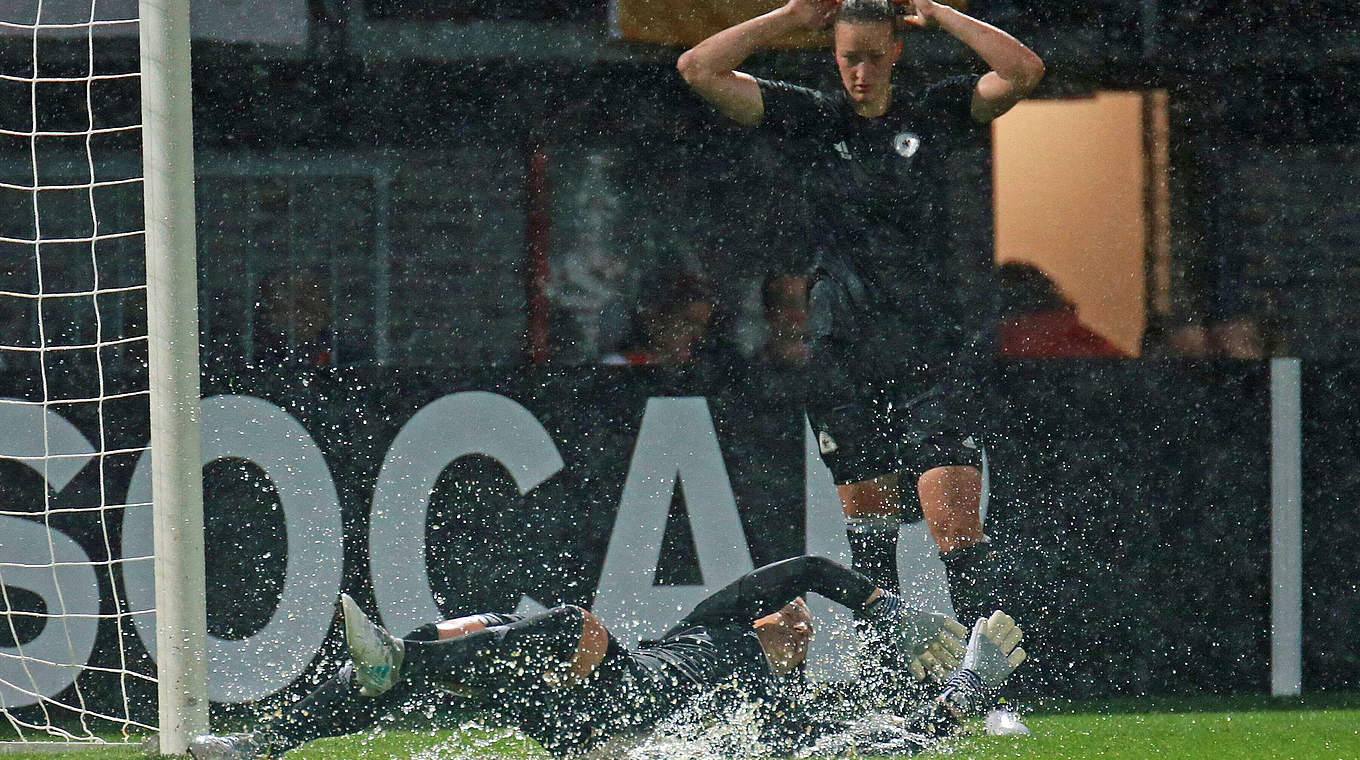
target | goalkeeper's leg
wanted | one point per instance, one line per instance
(559, 646)
(476, 651)
(556, 647)
(334, 708)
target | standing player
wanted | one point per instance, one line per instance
(893, 334)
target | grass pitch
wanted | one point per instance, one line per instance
(1244, 728)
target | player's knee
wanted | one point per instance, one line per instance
(952, 481)
(951, 494)
(950, 500)
(871, 498)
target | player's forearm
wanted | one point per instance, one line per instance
(766, 589)
(1006, 55)
(724, 52)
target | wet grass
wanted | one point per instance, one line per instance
(1326, 727)
(1196, 731)
(1265, 730)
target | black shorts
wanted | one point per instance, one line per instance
(872, 420)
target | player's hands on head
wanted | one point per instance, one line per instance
(813, 14)
(919, 13)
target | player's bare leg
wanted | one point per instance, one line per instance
(950, 501)
(563, 650)
(557, 647)
(873, 515)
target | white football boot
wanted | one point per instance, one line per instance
(377, 654)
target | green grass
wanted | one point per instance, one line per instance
(1197, 732)
(1242, 728)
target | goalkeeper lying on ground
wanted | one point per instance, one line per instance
(563, 680)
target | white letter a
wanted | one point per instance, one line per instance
(676, 440)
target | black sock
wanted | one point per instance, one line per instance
(971, 581)
(501, 654)
(873, 548)
(427, 632)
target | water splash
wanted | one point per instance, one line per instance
(744, 733)
(477, 741)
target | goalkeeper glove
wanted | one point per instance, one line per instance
(931, 643)
(994, 649)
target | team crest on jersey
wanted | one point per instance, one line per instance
(906, 144)
(825, 443)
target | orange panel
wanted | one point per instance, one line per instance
(1070, 184)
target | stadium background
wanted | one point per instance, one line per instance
(395, 162)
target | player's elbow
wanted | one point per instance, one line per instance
(692, 70)
(1031, 74)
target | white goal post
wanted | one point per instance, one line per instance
(98, 345)
(172, 330)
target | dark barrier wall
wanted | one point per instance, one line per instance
(1132, 499)
(1331, 522)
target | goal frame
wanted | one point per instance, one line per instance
(172, 329)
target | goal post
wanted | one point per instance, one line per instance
(172, 330)
(98, 353)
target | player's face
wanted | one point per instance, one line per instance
(865, 54)
(785, 635)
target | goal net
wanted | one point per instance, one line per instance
(74, 391)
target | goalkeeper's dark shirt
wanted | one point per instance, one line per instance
(872, 206)
(701, 656)
(635, 689)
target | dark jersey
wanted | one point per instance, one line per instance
(885, 279)
(701, 657)
(634, 690)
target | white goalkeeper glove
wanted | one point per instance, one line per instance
(994, 649)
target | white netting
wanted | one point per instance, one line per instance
(73, 385)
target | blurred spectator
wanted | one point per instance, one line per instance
(1037, 321)
(292, 320)
(591, 273)
(1222, 306)
(672, 323)
(1239, 337)
(784, 306)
